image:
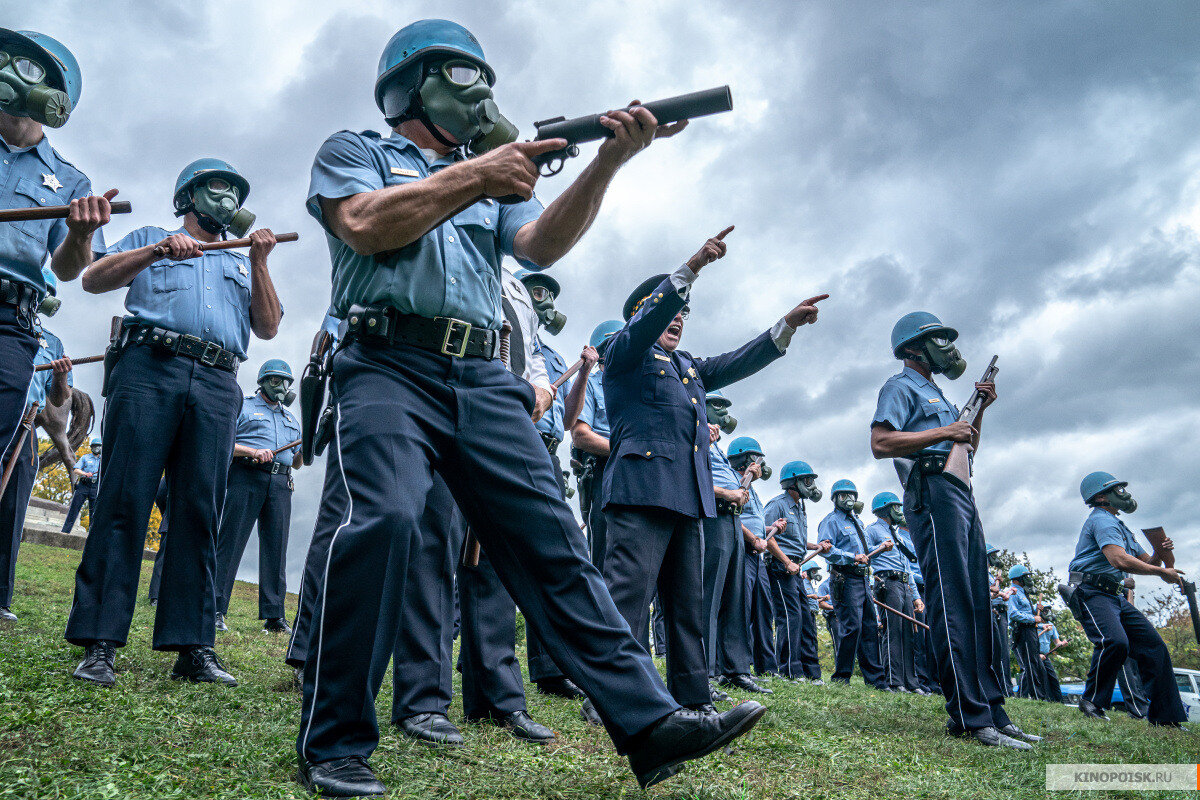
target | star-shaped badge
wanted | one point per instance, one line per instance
(51, 182)
(242, 269)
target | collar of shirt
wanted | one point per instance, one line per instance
(920, 381)
(42, 150)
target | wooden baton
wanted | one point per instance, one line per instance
(279, 450)
(232, 244)
(26, 427)
(75, 362)
(886, 607)
(54, 212)
(566, 376)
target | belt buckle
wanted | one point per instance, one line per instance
(205, 358)
(274, 467)
(451, 324)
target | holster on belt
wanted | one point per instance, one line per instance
(112, 354)
(316, 420)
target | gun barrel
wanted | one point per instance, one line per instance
(54, 212)
(668, 110)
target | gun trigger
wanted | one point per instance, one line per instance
(553, 167)
(572, 151)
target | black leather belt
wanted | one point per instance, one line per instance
(893, 575)
(451, 337)
(181, 344)
(21, 296)
(273, 467)
(859, 570)
(931, 463)
(1104, 583)
(726, 507)
(551, 442)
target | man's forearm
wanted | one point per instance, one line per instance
(117, 270)
(72, 256)
(587, 440)
(888, 443)
(243, 451)
(773, 549)
(265, 309)
(573, 405)
(563, 223)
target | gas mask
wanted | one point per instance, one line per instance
(859, 505)
(806, 487)
(457, 98)
(49, 306)
(718, 414)
(767, 472)
(993, 560)
(216, 205)
(845, 501)
(276, 389)
(23, 92)
(96, 449)
(943, 357)
(1119, 498)
(895, 515)
(543, 303)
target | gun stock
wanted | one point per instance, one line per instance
(1156, 537)
(886, 607)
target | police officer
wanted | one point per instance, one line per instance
(828, 609)
(49, 386)
(259, 490)
(87, 484)
(160, 500)
(172, 403)
(589, 437)
(914, 420)
(1024, 622)
(849, 563)
(795, 628)
(1105, 553)
(40, 83)
(729, 656)
(416, 237)
(894, 587)
(810, 657)
(1001, 641)
(655, 491)
(756, 539)
(1048, 640)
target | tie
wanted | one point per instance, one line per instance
(516, 340)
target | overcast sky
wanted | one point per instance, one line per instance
(1027, 171)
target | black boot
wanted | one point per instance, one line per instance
(1013, 732)
(522, 726)
(97, 664)
(277, 625)
(560, 687)
(685, 735)
(201, 665)
(746, 683)
(431, 728)
(341, 777)
(588, 712)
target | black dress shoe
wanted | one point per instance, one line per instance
(715, 694)
(991, 737)
(221, 626)
(6, 615)
(432, 729)
(747, 684)
(704, 708)
(588, 712)
(685, 735)
(341, 777)
(277, 625)
(154, 602)
(97, 664)
(201, 665)
(522, 726)
(560, 687)
(1090, 709)
(1013, 732)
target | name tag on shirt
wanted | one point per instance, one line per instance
(935, 399)
(405, 173)
(662, 358)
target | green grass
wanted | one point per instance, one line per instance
(151, 737)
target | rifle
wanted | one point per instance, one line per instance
(1156, 537)
(160, 250)
(54, 212)
(958, 463)
(886, 607)
(26, 427)
(588, 128)
(75, 362)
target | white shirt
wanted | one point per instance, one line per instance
(527, 318)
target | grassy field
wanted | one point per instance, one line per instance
(151, 737)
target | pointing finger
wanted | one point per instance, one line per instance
(726, 232)
(541, 146)
(812, 301)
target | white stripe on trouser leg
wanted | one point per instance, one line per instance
(337, 432)
(1103, 647)
(787, 628)
(937, 562)
(103, 425)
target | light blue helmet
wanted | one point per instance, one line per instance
(843, 486)
(807, 565)
(531, 277)
(399, 78)
(1018, 571)
(275, 367)
(915, 325)
(796, 469)
(883, 500)
(991, 548)
(61, 67)
(603, 331)
(744, 445)
(95, 441)
(200, 171)
(1096, 483)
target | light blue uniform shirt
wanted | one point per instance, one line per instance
(910, 403)
(451, 271)
(722, 471)
(877, 533)
(264, 426)
(752, 514)
(1019, 607)
(332, 325)
(809, 588)
(31, 178)
(89, 463)
(594, 413)
(823, 589)
(1047, 638)
(50, 348)
(207, 296)
(1102, 528)
(794, 537)
(842, 531)
(552, 421)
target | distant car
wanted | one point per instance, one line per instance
(1188, 681)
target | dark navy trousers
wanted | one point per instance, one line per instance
(13, 506)
(896, 648)
(85, 490)
(923, 652)
(18, 346)
(597, 524)
(163, 412)
(1136, 702)
(948, 535)
(725, 641)
(1033, 674)
(759, 613)
(402, 414)
(1118, 631)
(492, 686)
(790, 609)
(1001, 649)
(858, 631)
(254, 496)
(160, 500)
(655, 549)
(1053, 688)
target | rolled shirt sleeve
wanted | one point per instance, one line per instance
(343, 167)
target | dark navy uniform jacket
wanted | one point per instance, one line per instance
(655, 404)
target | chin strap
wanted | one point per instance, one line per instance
(424, 119)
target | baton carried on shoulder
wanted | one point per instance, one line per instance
(55, 212)
(231, 244)
(26, 427)
(958, 463)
